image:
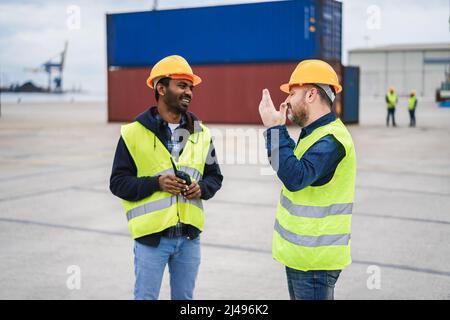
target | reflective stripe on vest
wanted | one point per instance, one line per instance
(150, 207)
(195, 202)
(315, 211)
(194, 173)
(312, 241)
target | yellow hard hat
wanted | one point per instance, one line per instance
(391, 89)
(175, 67)
(413, 92)
(313, 72)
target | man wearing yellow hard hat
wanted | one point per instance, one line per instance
(391, 100)
(164, 166)
(311, 236)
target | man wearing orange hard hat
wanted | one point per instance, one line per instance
(311, 235)
(164, 166)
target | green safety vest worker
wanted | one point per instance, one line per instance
(162, 210)
(312, 227)
(391, 100)
(412, 103)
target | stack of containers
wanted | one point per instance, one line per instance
(236, 49)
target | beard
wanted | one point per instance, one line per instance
(175, 103)
(301, 117)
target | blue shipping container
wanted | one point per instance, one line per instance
(280, 31)
(350, 94)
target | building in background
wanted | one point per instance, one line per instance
(405, 67)
(237, 50)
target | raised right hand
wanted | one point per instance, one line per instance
(269, 115)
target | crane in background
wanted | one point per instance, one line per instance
(50, 66)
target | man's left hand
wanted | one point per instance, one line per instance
(193, 192)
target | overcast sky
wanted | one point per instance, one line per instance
(33, 31)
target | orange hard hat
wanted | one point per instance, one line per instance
(313, 72)
(175, 67)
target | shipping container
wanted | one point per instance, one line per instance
(350, 95)
(282, 31)
(228, 94)
(238, 50)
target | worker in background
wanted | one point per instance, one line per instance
(157, 154)
(391, 100)
(311, 235)
(412, 105)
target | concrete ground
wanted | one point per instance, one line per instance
(56, 210)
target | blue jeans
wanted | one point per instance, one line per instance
(391, 113)
(311, 285)
(182, 256)
(412, 118)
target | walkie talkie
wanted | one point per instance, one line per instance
(181, 174)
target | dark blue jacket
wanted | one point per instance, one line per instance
(125, 184)
(317, 165)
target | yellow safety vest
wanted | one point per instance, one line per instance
(392, 100)
(312, 227)
(162, 210)
(412, 103)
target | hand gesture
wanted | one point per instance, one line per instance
(269, 115)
